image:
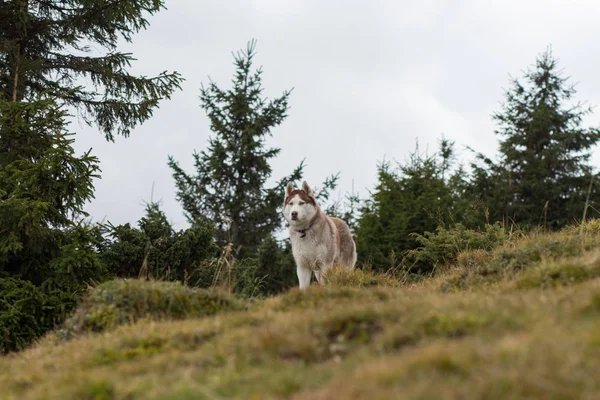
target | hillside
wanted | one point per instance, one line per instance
(520, 321)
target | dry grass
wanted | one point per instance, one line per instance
(357, 278)
(530, 331)
(537, 260)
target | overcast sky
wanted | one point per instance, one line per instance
(369, 79)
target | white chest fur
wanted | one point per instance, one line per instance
(308, 252)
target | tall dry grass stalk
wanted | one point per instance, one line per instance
(223, 270)
(224, 265)
(587, 204)
(545, 215)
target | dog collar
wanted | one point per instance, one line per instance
(303, 231)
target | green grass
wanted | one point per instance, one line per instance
(518, 321)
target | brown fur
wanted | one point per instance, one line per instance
(345, 243)
(305, 197)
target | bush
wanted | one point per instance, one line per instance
(121, 302)
(42, 292)
(26, 313)
(474, 258)
(225, 272)
(273, 272)
(155, 250)
(443, 246)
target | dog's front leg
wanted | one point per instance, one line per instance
(304, 275)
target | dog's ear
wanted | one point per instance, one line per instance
(289, 189)
(307, 189)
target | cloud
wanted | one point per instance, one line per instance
(368, 78)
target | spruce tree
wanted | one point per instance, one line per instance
(46, 50)
(45, 58)
(229, 185)
(543, 175)
(43, 46)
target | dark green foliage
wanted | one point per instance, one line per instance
(443, 246)
(543, 175)
(45, 59)
(78, 262)
(44, 243)
(228, 186)
(26, 312)
(272, 272)
(43, 185)
(277, 266)
(415, 198)
(120, 302)
(21, 314)
(48, 47)
(155, 249)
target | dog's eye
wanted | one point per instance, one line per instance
(301, 203)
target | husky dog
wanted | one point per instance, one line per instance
(319, 241)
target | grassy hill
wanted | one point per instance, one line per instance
(519, 321)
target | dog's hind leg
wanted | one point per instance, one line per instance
(319, 276)
(304, 275)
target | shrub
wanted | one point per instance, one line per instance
(155, 249)
(120, 302)
(271, 273)
(26, 312)
(474, 258)
(443, 246)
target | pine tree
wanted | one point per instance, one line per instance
(43, 188)
(43, 185)
(46, 51)
(45, 57)
(229, 184)
(543, 174)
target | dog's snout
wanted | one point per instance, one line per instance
(294, 214)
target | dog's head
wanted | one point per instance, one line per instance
(300, 205)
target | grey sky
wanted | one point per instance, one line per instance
(369, 79)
